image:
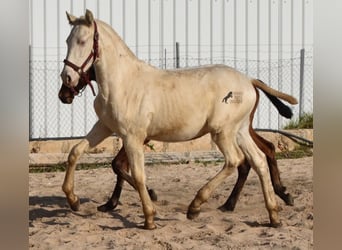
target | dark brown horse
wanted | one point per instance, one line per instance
(120, 164)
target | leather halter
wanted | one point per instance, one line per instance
(80, 70)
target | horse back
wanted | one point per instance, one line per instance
(190, 103)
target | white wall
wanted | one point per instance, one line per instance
(235, 32)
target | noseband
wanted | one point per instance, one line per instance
(80, 70)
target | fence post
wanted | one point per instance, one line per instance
(177, 55)
(165, 58)
(30, 92)
(301, 82)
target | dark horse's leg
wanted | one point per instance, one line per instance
(120, 167)
(119, 162)
(269, 150)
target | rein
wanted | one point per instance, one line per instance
(85, 76)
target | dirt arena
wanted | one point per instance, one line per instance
(52, 225)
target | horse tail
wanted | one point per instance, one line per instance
(273, 96)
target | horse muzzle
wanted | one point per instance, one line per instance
(66, 95)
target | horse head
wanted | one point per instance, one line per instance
(66, 94)
(82, 45)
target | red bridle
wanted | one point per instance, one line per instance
(80, 70)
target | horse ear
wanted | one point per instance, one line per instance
(71, 18)
(89, 17)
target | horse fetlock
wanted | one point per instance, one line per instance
(149, 219)
(149, 212)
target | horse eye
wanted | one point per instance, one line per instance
(80, 42)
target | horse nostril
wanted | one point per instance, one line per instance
(68, 79)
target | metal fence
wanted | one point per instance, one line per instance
(49, 118)
(261, 38)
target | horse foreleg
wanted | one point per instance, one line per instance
(98, 133)
(135, 155)
(123, 175)
(120, 167)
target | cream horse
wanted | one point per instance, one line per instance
(139, 102)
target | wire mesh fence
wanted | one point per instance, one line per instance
(49, 118)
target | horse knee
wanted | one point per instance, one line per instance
(76, 152)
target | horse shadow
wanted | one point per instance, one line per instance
(257, 224)
(50, 208)
(45, 207)
(125, 222)
(129, 224)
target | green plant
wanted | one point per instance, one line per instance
(151, 146)
(303, 122)
(60, 167)
(299, 152)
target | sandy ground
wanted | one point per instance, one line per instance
(53, 225)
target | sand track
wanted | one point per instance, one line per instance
(52, 225)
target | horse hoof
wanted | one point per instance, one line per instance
(193, 213)
(152, 194)
(109, 206)
(150, 226)
(227, 207)
(75, 206)
(289, 200)
(276, 224)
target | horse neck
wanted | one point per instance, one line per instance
(116, 59)
(114, 48)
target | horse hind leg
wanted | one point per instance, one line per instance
(276, 182)
(243, 171)
(257, 160)
(135, 155)
(233, 157)
(269, 150)
(119, 164)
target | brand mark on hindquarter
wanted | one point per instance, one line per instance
(229, 95)
(233, 97)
